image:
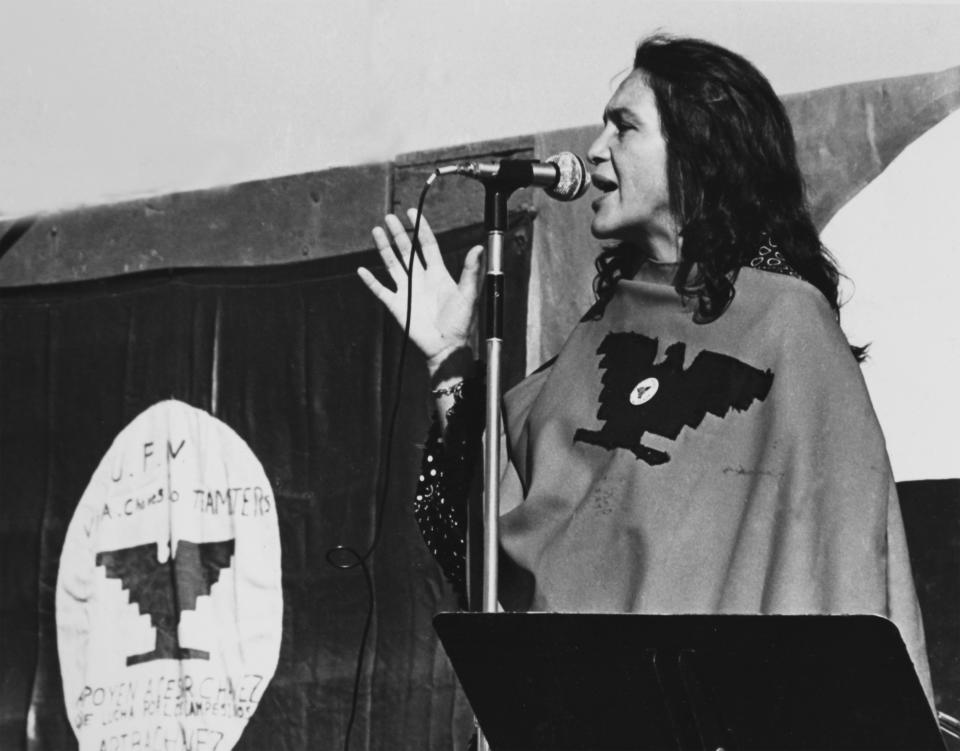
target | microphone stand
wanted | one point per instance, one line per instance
(495, 223)
(498, 189)
(565, 179)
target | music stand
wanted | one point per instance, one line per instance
(605, 682)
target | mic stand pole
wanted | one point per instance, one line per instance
(495, 222)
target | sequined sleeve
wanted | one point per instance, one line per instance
(447, 471)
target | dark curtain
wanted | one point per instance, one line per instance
(302, 363)
(931, 517)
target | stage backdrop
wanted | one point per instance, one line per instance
(297, 360)
(299, 364)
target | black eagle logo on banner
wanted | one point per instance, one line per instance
(164, 590)
(640, 397)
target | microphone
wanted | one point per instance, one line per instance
(563, 176)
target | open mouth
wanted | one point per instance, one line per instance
(603, 183)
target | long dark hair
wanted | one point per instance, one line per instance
(732, 173)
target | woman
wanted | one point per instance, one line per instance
(704, 442)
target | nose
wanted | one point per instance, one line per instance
(599, 150)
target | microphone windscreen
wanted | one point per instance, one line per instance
(573, 178)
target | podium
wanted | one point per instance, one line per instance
(605, 682)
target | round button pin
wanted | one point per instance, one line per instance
(644, 391)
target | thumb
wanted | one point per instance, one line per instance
(472, 270)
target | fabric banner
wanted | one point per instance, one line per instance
(175, 534)
(294, 368)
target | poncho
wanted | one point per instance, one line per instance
(665, 466)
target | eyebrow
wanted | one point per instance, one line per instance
(618, 114)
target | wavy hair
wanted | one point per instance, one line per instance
(732, 174)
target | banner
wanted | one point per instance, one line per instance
(262, 392)
(169, 605)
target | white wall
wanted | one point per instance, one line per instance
(102, 100)
(897, 242)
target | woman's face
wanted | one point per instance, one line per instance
(630, 157)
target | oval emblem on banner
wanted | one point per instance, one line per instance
(644, 391)
(169, 605)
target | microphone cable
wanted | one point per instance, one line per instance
(346, 558)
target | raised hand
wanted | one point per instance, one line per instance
(443, 310)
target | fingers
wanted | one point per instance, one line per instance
(396, 254)
(392, 260)
(470, 276)
(431, 250)
(401, 241)
(380, 292)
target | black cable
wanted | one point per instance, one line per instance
(344, 557)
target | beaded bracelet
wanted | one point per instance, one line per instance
(456, 391)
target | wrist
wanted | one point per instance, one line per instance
(452, 363)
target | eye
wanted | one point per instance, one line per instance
(619, 124)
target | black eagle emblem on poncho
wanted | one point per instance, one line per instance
(640, 397)
(164, 590)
